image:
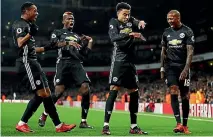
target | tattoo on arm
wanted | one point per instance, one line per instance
(163, 56)
(190, 51)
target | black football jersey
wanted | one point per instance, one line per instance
(69, 52)
(119, 36)
(175, 41)
(21, 28)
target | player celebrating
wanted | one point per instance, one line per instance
(72, 49)
(30, 70)
(176, 57)
(123, 72)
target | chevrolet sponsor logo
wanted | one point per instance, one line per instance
(175, 42)
(70, 38)
(126, 30)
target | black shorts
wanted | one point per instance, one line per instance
(68, 73)
(31, 74)
(123, 74)
(172, 78)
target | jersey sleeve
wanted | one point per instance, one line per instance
(164, 40)
(122, 40)
(190, 37)
(114, 32)
(55, 36)
(135, 21)
(21, 29)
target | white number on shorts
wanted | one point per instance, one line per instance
(187, 82)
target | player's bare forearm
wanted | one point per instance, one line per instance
(163, 55)
(61, 43)
(39, 49)
(68, 43)
(22, 40)
(190, 52)
(90, 43)
(162, 59)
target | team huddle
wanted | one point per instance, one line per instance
(176, 56)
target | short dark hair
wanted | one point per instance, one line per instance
(25, 6)
(123, 5)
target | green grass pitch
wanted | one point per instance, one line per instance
(156, 125)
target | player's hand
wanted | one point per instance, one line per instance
(33, 29)
(162, 75)
(183, 74)
(74, 44)
(87, 37)
(142, 24)
(137, 35)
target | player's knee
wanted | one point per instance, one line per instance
(134, 96)
(115, 88)
(84, 89)
(112, 95)
(59, 89)
(44, 93)
(173, 90)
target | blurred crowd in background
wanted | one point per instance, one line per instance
(156, 91)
